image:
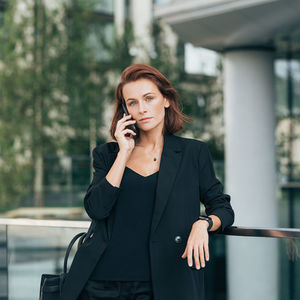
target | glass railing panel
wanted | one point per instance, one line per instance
(33, 251)
(289, 268)
(279, 256)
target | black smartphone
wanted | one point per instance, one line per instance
(131, 126)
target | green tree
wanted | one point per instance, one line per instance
(51, 82)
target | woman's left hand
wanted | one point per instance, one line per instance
(197, 244)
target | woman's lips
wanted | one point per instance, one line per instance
(145, 120)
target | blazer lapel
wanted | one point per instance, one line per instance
(169, 164)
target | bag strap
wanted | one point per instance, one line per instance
(83, 236)
(88, 235)
(74, 239)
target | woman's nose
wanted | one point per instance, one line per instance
(142, 107)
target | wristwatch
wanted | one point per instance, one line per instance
(208, 219)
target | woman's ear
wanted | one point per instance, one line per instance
(167, 102)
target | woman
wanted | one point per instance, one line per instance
(149, 241)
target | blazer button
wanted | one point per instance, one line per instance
(178, 239)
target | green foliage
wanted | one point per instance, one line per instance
(15, 113)
(52, 84)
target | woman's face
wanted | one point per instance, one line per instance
(144, 100)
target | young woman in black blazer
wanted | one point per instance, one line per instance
(149, 242)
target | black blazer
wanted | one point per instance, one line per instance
(186, 177)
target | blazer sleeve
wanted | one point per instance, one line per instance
(211, 191)
(101, 195)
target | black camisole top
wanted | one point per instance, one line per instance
(127, 254)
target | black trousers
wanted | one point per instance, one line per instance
(116, 290)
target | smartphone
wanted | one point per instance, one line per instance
(131, 126)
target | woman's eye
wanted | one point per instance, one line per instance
(133, 102)
(149, 98)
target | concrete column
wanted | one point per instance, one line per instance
(141, 14)
(119, 16)
(250, 164)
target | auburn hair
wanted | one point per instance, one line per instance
(174, 117)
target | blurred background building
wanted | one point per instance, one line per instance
(236, 66)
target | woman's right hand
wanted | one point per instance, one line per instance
(126, 144)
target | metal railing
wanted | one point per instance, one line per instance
(232, 230)
(263, 232)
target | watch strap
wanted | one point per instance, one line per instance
(208, 219)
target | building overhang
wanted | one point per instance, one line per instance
(224, 24)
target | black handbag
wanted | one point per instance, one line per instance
(51, 284)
